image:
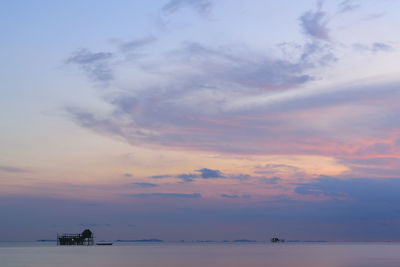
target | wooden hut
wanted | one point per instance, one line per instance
(277, 240)
(84, 239)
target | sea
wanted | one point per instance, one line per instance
(48, 254)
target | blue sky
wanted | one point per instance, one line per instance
(200, 119)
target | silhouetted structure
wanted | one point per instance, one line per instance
(277, 240)
(84, 239)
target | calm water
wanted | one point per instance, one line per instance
(193, 255)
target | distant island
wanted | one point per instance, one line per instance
(156, 240)
(307, 241)
(223, 241)
(141, 240)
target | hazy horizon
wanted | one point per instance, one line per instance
(200, 119)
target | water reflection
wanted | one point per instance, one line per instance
(196, 255)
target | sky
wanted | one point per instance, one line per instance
(200, 119)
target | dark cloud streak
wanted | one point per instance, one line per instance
(134, 45)
(11, 169)
(143, 185)
(210, 174)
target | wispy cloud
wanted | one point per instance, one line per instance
(94, 64)
(187, 177)
(272, 169)
(348, 6)
(230, 196)
(203, 173)
(256, 179)
(11, 169)
(374, 16)
(315, 24)
(246, 123)
(375, 167)
(161, 176)
(167, 195)
(201, 6)
(272, 180)
(359, 189)
(142, 185)
(233, 99)
(134, 45)
(379, 46)
(245, 196)
(374, 47)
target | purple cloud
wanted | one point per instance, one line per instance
(314, 24)
(245, 196)
(357, 189)
(4, 168)
(94, 64)
(167, 195)
(143, 185)
(230, 196)
(348, 6)
(210, 174)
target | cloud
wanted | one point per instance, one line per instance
(134, 45)
(11, 169)
(358, 189)
(161, 176)
(374, 167)
(204, 173)
(245, 196)
(314, 24)
(241, 177)
(219, 78)
(375, 47)
(94, 225)
(230, 196)
(303, 121)
(201, 6)
(210, 174)
(378, 46)
(127, 174)
(88, 225)
(187, 177)
(279, 169)
(167, 195)
(94, 64)
(255, 179)
(374, 16)
(84, 56)
(273, 180)
(273, 168)
(233, 99)
(143, 185)
(242, 68)
(348, 6)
